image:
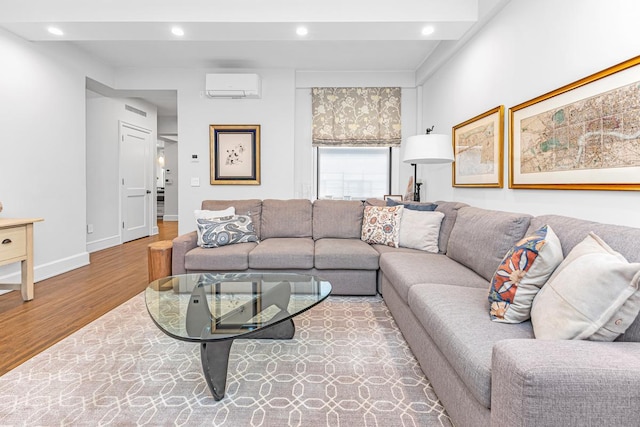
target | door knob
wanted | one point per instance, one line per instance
(148, 191)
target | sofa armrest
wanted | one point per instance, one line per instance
(554, 383)
(182, 245)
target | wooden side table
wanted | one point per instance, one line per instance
(16, 245)
(159, 257)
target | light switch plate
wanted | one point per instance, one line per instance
(195, 182)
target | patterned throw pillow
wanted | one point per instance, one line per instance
(381, 225)
(207, 214)
(218, 232)
(523, 271)
(593, 295)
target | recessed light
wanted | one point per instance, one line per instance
(55, 31)
(302, 31)
(177, 31)
(428, 30)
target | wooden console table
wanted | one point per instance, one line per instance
(16, 245)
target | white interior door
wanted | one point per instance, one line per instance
(135, 182)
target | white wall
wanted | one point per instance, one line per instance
(103, 164)
(274, 112)
(528, 49)
(42, 148)
(284, 115)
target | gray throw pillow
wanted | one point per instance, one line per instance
(218, 232)
(413, 206)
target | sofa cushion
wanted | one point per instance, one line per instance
(283, 253)
(450, 211)
(480, 238)
(455, 317)
(624, 240)
(523, 271)
(230, 257)
(381, 225)
(420, 230)
(405, 270)
(216, 232)
(252, 207)
(348, 254)
(592, 295)
(341, 219)
(286, 218)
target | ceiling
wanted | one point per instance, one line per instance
(343, 35)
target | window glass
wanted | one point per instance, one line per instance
(353, 173)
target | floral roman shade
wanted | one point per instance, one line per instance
(356, 117)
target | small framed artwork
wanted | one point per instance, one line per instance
(235, 154)
(394, 197)
(582, 136)
(478, 147)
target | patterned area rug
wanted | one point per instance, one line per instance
(348, 365)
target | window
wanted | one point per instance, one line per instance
(353, 172)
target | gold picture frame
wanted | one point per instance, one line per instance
(582, 136)
(234, 154)
(478, 149)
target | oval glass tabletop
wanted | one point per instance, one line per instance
(204, 307)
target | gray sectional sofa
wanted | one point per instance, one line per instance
(484, 372)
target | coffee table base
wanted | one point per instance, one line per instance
(215, 354)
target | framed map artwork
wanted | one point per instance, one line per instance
(583, 136)
(478, 150)
(235, 154)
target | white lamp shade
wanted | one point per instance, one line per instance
(428, 148)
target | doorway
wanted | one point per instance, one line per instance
(135, 181)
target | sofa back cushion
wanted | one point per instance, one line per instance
(252, 207)
(625, 240)
(338, 219)
(286, 218)
(480, 238)
(450, 211)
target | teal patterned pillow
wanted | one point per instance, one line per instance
(218, 232)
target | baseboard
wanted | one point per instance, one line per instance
(50, 269)
(98, 245)
(170, 217)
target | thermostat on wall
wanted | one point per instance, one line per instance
(194, 157)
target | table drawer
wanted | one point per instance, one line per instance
(13, 243)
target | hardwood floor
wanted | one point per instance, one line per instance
(65, 303)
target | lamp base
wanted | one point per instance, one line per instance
(416, 194)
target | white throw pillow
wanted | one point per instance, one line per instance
(420, 230)
(205, 214)
(592, 295)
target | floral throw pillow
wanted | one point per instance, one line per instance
(381, 225)
(523, 271)
(218, 232)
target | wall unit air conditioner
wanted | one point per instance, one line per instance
(228, 85)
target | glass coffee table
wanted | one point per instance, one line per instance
(213, 309)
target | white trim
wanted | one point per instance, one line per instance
(107, 242)
(51, 269)
(170, 218)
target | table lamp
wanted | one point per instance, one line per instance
(429, 148)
